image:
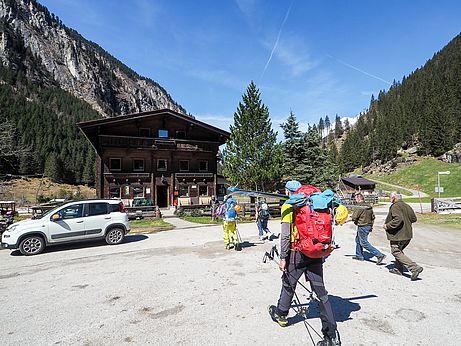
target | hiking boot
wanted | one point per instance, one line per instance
(380, 259)
(327, 341)
(276, 317)
(237, 247)
(269, 236)
(415, 274)
(358, 258)
(262, 238)
(395, 271)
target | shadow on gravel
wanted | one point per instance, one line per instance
(246, 244)
(342, 308)
(86, 244)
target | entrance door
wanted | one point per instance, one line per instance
(162, 196)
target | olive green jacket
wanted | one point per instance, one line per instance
(398, 221)
(363, 215)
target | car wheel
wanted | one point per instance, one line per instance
(32, 245)
(115, 236)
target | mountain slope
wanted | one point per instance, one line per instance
(76, 65)
(422, 111)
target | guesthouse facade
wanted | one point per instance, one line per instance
(163, 156)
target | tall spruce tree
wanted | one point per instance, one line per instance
(338, 127)
(314, 165)
(252, 156)
(327, 124)
(293, 145)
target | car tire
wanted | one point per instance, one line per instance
(115, 236)
(32, 245)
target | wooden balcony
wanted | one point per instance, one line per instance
(157, 143)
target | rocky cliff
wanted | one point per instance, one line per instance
(56, 54)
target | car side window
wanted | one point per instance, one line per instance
(97, 209)
(72, 211)
(114, 208)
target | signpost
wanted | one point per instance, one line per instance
(438, 188)
(418, 187)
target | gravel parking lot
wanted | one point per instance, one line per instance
(181, 287)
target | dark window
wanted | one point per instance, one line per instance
(203, 190)
(97, 209)
(143, 132)
(181, 134)
(203, 166)
(162, 133)
(114, 192)
(183, 190)
(72, 211)
(115, 164)
(222, 190)
(114, 208)
(138, 191)
(138, 165)
(183, 165)
(161, 165)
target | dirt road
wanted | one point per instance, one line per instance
(182, 288)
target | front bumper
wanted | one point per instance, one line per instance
(8, 246)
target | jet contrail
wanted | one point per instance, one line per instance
(276, 41)
(361, 71)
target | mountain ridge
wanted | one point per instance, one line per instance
(76, 64)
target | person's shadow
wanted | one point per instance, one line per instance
(342, 308)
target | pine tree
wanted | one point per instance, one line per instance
(314, 166)
(321, 127)
(53, 168)
(327, 124)
(338, 127)
(293, 145)
(347, 125)
(252, 156)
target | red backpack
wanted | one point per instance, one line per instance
(314, 235)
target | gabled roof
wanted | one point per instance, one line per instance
(90, 128)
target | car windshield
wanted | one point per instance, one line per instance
(48, 213)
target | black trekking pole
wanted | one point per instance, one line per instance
(298, 307)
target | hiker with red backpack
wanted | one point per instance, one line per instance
(306, 238)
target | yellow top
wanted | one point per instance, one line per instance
(287, 216)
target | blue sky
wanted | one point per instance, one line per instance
(315, 58)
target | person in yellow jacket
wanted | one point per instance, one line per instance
(230, 224)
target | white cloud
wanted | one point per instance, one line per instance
(293, 52)
(247, 7)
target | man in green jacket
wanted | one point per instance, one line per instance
(399, 232)
(363, 217)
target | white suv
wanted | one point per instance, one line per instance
(71, 222)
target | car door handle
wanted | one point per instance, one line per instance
(79, 221)
(108, 218)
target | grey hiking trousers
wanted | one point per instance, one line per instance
(297, 265)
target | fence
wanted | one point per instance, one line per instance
(446, 205)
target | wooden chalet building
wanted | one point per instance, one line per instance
(163, 156)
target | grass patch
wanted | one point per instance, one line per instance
(424, 173)
(150, 226)
(416, 200)
(452, 220)
(207, 220)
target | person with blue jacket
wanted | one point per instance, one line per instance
(230, 224)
